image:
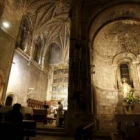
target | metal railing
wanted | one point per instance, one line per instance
(84, 132)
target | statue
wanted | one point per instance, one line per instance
(125, 88)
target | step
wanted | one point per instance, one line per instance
(101, 138)
(50, 129)
(101, 135)
(51, 133)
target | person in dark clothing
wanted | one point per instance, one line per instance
(1, 117)
(15, 115)
(45, 117)
(14, 119)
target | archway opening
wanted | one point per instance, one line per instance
(58, 81)
(115, 42)
(9, 101)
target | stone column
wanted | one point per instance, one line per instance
(79, 90)
(42, 63)
(50, 81)
(32, 48)
(7, 39)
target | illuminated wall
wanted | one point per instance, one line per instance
(26, 80)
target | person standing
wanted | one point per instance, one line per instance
(59, 117)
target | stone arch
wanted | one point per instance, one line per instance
(24, 37)
(53, 54)
(10, 99)
(38, 50)
(110, 14)
(121, 56)
(107, 15)
(127, 58)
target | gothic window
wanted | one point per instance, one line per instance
(124, 71)
(24, 33)
(54, 54)
(22, 37)
(37, 53)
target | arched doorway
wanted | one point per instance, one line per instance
(114, 34)
(9, 101)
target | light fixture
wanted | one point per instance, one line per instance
(6, 24)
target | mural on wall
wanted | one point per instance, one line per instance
(54, 54)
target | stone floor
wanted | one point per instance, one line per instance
(42, 137)
(45, 137)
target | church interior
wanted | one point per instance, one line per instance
(83, 53)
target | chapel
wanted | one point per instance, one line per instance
(84, 53)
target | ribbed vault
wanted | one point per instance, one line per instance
(47, 18)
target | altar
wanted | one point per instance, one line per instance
(128, 122)
(130, 119)
(127, 126)
(125, 117)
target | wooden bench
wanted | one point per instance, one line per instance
(40, 115)
(29, 128)
(11, 130)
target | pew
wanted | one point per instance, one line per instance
(39, 110)
(29, 128)
(40, 115)
(33, 103)
(9, 130)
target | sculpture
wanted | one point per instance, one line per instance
(125, 88)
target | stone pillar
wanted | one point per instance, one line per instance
(32, 48)
(42, 63)
(79, 90)
(50, 81)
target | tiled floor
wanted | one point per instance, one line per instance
(41, 137)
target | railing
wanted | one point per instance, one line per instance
(84, 132)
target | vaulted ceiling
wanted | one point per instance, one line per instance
(49, 18)
(118, 37)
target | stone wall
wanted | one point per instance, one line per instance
(6, 47)
(96, 16)
(12, 15)
(26, 80)
(7, 41)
